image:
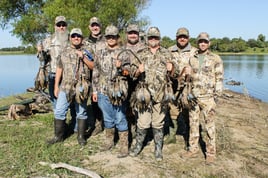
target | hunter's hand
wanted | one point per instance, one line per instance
(118, 63)
(94, 97)
(141, 68)
(187, 70)
(169, 66)
(79, 54)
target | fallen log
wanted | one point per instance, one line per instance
(71, 168)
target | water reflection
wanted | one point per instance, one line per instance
(18, 72)
(251, 71)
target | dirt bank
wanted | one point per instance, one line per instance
(242, 147)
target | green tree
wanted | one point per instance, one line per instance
(33, 19)
(167, 42)
(261, 41)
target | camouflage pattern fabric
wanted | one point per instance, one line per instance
(182, 57)
(54, 47)
(207, 83)
(74, 72)
(206, 109)
(155, 71)
(95, 45)
(105, 74)
(207, 74)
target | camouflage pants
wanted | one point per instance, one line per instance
(203, 111)
(174, 111)
(153, 117)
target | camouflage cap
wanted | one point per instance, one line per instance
(133, 27)
(76, 31)
(182, 31)
(94, 20)
(60, 19)
(203, 36)
(111, 30)
(153, 31)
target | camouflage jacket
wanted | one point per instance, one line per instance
(207, 75)
(95, 44)
(54, 48)
(155, 70)
(73, 68)
(182, 56)
(104, 69)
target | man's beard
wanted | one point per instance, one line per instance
(133, 42)
(62, 37)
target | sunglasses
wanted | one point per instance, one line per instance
(61, 24)
(111, 37)
(153, 37)
(76, 35)
(203, 41)
(182, 36)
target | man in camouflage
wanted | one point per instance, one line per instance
(72, 85)
(96, 41)
(54, 45)
(107, 68)
(156, 61)
(206, 69)
(179, 115)
(134, 44)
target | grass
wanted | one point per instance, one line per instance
(23, 146)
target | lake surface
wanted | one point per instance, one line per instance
(17, 73)
(252, 71)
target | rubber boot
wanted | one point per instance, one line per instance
(82, 125)
(109, 140)
(140, 136)
(59, 131)
(171, 138)
(98, 127)
(158, 141)
(123, 142)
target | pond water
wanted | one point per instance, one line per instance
(252, 71)
(18, 72)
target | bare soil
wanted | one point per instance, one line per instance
(242, 148)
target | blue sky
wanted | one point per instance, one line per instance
(220, 18)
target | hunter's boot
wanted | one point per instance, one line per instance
(82, 125)
(109, 140)
(158, 141)
(171, 138)
(98, 127)
(123, 143)
(59, 131)
(140, 136)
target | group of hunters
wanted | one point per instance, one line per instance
(136, 88)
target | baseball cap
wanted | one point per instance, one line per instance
(133, 27)
(203, 36)
(153, 31)
(60, 19)
(76, 31)
(182, 31)
(94, 20)
(111, 30)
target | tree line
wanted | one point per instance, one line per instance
(221, 45)
(227, 45)
(33, 20)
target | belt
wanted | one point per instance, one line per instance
(52, 74)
